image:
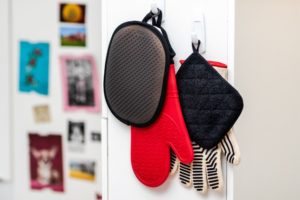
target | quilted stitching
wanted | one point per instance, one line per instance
(210, 105)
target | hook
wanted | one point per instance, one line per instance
(158, 6)
(154, 8)
(194, 38)
(198, 32)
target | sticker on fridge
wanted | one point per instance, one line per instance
(46, 162)
(80, 83)
(34, 67)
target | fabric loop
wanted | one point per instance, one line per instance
(157, 22)
(196, 49)
(151, 15)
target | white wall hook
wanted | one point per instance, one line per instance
(194, 38)
(158, 4)
(154, 8)
(199, 32)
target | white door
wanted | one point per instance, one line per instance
(179, 15)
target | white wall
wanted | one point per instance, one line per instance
(122, 182)
(267, 74)
(36, 20)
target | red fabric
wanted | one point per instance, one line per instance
(212, 63)
(150, 146)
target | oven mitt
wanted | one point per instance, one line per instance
(210, 105)
(150, 146)
(136, 70)
(206, 170)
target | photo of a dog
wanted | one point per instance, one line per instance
(46, 162)
(46, 175)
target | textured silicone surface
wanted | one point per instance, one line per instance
(150, 146)
(135, 73)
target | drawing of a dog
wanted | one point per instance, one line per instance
(46, 175)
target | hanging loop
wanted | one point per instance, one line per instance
(156, 18)
(196, 48)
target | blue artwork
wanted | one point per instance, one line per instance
(34, 67)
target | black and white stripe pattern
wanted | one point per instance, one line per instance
(185, 174)
(174, 163)
(230, 148)
(199, 169)
(214, 171)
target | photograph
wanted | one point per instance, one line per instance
(41, 114)
(76, 136)
(80, 83)
(96, 136)
(34, 67)
(83, 170)
(73, 36)
(72, 13)
(46, 162)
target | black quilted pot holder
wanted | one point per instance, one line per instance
(210, 105)
(136, 70)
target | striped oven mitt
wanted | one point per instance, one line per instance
(206, 170)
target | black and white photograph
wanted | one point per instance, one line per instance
(80, 83)
(76, 136)
(96, 136)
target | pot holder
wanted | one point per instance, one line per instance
(210, 105)
(150, 146)
(136, 70)
(205, 172)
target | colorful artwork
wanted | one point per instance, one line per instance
(34, 67)
(72, 13)
(83, 170)
(80, 83)
(46, 162)
(76, 136)
(41, 114)
(74, 36)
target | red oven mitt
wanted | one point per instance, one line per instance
(150, 146)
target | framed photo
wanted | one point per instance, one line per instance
(46, 162)
(80, 83)
(76, 136)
